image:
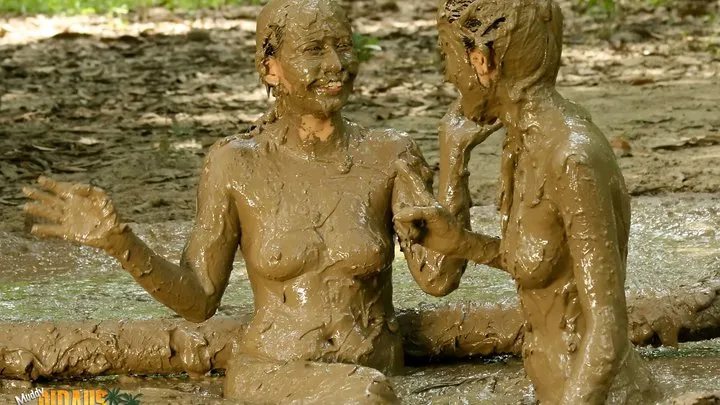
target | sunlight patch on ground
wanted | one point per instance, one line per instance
(23, 30)
(191, 144)
(372, 27)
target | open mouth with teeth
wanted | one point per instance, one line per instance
(333, 87)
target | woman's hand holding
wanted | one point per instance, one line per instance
(428, 224)
(461, 131)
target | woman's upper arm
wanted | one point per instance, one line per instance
(215, 236)
(585, 199)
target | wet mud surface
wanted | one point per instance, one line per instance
(673, 242)
(502, 381)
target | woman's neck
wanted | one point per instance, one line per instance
(530, 111)
(315, 137)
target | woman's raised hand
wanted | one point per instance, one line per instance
(461, 131)
(76, 212)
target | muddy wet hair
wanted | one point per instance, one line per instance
(523, 37)
(268, 38)
(272, 42)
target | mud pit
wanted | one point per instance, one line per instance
(672, 244)
(135, 114)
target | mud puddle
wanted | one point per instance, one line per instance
(500, 381)
(673, 241)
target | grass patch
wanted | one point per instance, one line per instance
(109, 6)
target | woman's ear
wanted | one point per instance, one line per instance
(480, 61)
(274, 72)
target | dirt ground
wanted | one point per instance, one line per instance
(133, 105)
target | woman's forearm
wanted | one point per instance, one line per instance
(454, 195)
(176, 287)
(596, 366)
(604, 348)
(481, 249)
(453, 190)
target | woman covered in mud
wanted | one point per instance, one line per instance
(309, 199)
(564, 206)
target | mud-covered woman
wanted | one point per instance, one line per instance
(565, 212)
(309, 200)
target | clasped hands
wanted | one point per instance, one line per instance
(429, 223)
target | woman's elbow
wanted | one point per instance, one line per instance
(609, 346)
(200, 314)
(438, 288)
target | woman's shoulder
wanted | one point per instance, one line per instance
(233, 145)
(387, 139)
(580, 141)
(234, 152)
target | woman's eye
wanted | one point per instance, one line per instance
(344, 46)
(313, 49)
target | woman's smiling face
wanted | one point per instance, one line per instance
(316, 63)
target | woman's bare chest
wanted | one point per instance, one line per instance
(317, 218)
(533, 240)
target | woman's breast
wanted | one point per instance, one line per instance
(533, 244)
(358, 252)
(285, 254)
(339, 230)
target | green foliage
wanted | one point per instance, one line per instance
(609, 8)
(365, 46)
(606, 6)
(108, 6)
(114, 397)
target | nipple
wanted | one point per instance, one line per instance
(345, 166)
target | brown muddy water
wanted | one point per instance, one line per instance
(674, 241)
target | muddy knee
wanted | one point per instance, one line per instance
(306, 383)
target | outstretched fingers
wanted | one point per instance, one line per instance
(86, 190)
(48, 212)
(48, 230)
(60, 188)
(40, 196)
(45, 205)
